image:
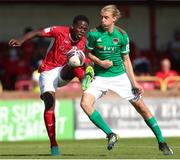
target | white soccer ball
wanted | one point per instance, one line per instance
(75, 57)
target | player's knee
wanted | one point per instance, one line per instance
(49, 100)
(87, 107)
(83, 104)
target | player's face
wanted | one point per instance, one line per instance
(80, 29)
(107, 19)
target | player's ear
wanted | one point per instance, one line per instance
(114, 19)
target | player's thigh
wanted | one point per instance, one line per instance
(97, 88)
(66, 73)
(48, 80)
(122, 86)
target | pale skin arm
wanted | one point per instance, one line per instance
(130, 73)
(28, 36)
(105, 63)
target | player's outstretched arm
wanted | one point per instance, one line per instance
(19, 42)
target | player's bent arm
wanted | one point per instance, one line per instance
(96, 60)
(93, 58)
(28, 36)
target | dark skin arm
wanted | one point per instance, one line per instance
(66, 72)
(28, 36)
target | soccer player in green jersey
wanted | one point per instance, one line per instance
(108, 47)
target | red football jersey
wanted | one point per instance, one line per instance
(56, 54)
(162, 75)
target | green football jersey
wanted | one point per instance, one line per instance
(109, 46)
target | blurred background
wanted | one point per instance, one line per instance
(153, 27)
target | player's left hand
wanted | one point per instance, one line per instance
(15, 43)
(137, 89)
(106, 64)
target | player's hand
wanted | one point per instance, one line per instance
(106, 64)
(137, 89)
(15, 43)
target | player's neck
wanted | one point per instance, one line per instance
(109, 29)
(73, 38)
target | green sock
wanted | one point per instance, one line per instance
(96, 118)
(155, 128)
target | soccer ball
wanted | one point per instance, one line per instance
(75, 57)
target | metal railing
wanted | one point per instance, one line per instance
(163, 82)
(154, 79)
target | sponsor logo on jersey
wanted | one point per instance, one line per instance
(111, 49)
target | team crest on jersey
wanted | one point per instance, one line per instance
(115, 40)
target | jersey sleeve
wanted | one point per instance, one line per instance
(50, 31)
(125, 45)
(90, 43)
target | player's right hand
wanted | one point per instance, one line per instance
(15, 43)
(106, 63)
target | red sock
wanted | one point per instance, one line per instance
(79, 72)
(49, 119)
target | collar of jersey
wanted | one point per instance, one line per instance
(110, 34)
(72, 39)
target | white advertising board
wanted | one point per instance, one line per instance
(126, 121)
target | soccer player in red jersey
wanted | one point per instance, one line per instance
(55, 64)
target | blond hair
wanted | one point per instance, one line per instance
(113, 9)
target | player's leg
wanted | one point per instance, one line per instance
(48, 83)
(88, 75)
(153, 125)
(84, 73)
(79, 72)
(87, 104)
(68, 72)
(124, 89)
(49, 119)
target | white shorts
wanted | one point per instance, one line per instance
(50, 80)
(119, 84)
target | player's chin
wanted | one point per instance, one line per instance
(79, 36)
(104, 26)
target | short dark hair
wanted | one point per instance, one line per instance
(80, 18)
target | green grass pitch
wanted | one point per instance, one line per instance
(133, 148)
